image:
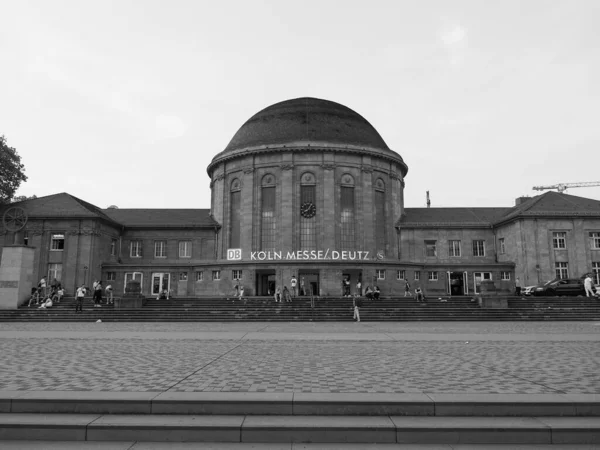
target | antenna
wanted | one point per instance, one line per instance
(428, 201)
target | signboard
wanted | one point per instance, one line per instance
(234, 254)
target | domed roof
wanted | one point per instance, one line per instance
(303, 122)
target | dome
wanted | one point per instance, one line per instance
(306, 122)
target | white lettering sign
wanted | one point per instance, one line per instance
(311, 255)
(234, 254)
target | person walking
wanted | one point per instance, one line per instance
(407, 290)
(80, 295)
(518, 287)
(293, 283)
(587, 284)
(109, 294)
(357, 303)
(346, 285)
(277, 295)
(98, 294)
(359, 288)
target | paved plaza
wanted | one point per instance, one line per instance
(500, 357)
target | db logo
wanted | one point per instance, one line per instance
(234, 254)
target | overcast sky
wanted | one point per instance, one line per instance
(126, 102)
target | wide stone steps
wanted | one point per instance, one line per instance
(326, 309)
(544, 419)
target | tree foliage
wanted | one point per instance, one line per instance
(11, 171)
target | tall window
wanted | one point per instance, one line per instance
(58, 242)
(268, 218)
(216, 275)
(236, 274)
(235, 215)
(502, 246)
(111, 276)
(430, 248)
(160, 249)
(559, 240)
(595, 240)
(562, 269)
(348, 240)
(478, 248)
(136, 249)
(200, 275)
(380, 215)
(308, 212)
(432, 276)
(401, 275)
(185, 249)
(454, 248)
(505, 276)
(54, 271)
(417, 275)
(596, 272)
(113, 247)
(380, 274)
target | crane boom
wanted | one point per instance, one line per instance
(561, 187)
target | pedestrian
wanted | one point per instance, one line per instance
(47, 303)
(346, 284)
(109, 294)
(42, 286)
(277, 295)
(376, 293)
(357, 303)
(98, 294)
(587, 283)
(242, 293)
(369, 293)
(517, 287)
(80, 295)
(407, 290)
(359, 288)
(60, 293)
(236, 292)
(286, 295)
(293, 283)
(419, 295)
(35, 296)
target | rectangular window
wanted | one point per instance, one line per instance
(432, 276)
(380, 274)
(501, 246)
(54, 271)
(478, 248)
(136, 249)
(380, 228)
(430, 248)
(235, 217)
(200, 275)
(131, 276)
(505, 276)
(308, 221)
(417, 275)
(559, 239)
(236, 274)
(160, 249)
(216, 275)
(454, 248)
(58, 242)
(594, 240)
(347, 220)
(182, 276)
(113, 247)
(185, 249)
(268, 226)
(401, 275)
(596, 272)
(111, 276)
(562, 270)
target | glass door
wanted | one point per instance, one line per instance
(161, 282)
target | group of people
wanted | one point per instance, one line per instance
(419, 295)
(96, 295)
(45, 297)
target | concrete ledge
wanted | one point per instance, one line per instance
(83, 402)
(523, 405)
(235, 403)
(471, 430)
(574, 430)
(166, 428)
(6, 398)
(363, 404)
(318, 429)
(64, 427)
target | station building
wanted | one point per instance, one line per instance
(308, 188)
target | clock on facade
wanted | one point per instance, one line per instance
(308, 210)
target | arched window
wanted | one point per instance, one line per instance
(268, 224)
(380, 216)
(235, 214)
(308, 212)
(347, 213)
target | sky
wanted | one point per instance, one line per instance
(126, 102)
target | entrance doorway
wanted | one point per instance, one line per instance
(310, 282)
(265, 282)
(161, 282)
(457, 283)
(353, 276)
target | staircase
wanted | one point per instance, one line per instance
(332, 309)
(227, 417)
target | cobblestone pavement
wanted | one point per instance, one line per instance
(505, 357)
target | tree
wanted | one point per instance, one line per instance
(11, 171)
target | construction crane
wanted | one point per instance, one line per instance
(561, 187)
